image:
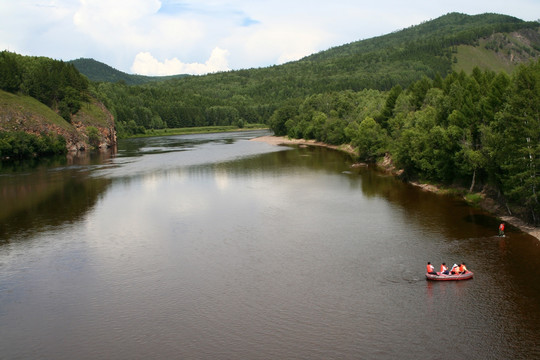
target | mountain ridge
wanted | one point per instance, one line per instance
(435, 36)
(100, 72)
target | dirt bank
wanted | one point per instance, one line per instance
(486, 204)
(283, 140)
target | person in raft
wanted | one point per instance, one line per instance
(501, 229)
(430, 269)
(444, 269)
(462, 268)
(455, 269)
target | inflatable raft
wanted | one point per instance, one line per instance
(439, 276)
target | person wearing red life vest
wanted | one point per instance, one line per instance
(430, 269)
(455, 269)
(444, 269)
(462, 268)
(501, 229)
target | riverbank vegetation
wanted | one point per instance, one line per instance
(479, 131)
(49, 99)
(54, 83)
(20, 145)
(198, 130)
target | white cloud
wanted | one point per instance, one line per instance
(146, 64)
(274, 43)
(140, 34)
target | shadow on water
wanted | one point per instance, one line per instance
(44, 193)
(176, 143)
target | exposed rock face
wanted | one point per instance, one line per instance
(15, 117)
(83, 120)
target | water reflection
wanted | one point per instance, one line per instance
(36, 195)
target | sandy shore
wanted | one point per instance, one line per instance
(283, 140)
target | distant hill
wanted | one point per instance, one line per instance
(100, 72)
(451, 42)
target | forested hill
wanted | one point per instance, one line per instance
(48, 107)
(428, 49)
(100, 72)
(434, 48)
(443, 32)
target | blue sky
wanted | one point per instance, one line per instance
(162, 37)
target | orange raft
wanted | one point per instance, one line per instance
(442, 277)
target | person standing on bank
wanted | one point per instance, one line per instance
(501, 229)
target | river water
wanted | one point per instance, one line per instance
(216, 247)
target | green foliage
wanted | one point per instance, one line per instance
(518, 129)
(20, 145)
(93, 136)
(474, 130)
(54, 83)
(370, 139)
(397, 60)
(10, 72)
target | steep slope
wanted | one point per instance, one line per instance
(499, 51)
(24, 113)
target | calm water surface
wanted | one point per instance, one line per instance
(216, 247)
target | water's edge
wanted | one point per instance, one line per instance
(387, 167)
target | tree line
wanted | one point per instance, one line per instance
(54, 83)
(481, 131)
(57, 84)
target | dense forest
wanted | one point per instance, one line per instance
(252, 95)
(55, 83)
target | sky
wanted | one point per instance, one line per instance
(165, 37)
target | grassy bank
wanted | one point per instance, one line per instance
(198, 130)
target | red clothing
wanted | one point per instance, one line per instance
(443, 268)
(430, 268)
(462, 268)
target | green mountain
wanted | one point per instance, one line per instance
(452, 42)
(100, 72)
(405, 56)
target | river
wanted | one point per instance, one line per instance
(216, 247)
